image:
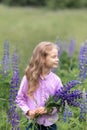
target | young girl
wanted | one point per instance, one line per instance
(38, 83)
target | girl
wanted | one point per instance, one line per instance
(38, 84)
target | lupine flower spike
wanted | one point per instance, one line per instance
(6, 60)
(83, 106)
(67, 113)
(13, 116)
(57, 42)
(83, 62)
(71, 48)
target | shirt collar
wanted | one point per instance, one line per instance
(44, 78)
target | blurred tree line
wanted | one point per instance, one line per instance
(53, 4)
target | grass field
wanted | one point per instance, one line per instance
(25, 27)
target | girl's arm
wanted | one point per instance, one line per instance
(21, 96)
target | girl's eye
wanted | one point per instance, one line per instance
(54, 56)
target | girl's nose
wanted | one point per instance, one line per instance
(57, 59)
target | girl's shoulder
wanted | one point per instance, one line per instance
(24, 78)
(24, 83)
(55, 76)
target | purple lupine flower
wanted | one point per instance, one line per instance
(70, 85)
(72, 97)
(6, 59)
(57, 42)
(83, 62)
(57, 95)
(83, 106)
(85, 71)
(75, 103)
(71, 47)
(13, 116)
(75, 93)
(65, 94)
(63, 46)
(67, 113)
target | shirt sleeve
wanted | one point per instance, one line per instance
(58, 87)
(21, 98)
(59, 84)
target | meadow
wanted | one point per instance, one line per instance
(26, 27)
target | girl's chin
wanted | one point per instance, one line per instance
(55, 66)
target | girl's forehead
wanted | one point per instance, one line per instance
(53, 51)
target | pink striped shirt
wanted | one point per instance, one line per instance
(47, 87)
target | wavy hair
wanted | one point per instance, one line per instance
(37, 64)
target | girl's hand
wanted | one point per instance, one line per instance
(31, 114)
(41, 110)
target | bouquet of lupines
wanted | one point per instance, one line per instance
(66, 95)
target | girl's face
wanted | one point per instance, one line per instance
(51, 60)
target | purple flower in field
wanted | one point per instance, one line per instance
(70, 85)
(71, 48)
(57, 42)
(66, 94)
(6, 59)
(83, 62)
(13, 116)
(83, 106)
(63, 46)
(67, 113)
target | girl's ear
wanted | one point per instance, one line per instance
(42, 62)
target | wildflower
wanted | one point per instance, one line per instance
(6, 60)
(70, 85)
(67, 113)
(83, 106)
(13, 116)
(57, 42)
(83, 62)
(71, 48)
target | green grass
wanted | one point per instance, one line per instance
(33, 25)
(25, 27)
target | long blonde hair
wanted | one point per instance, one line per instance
(36, 64)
